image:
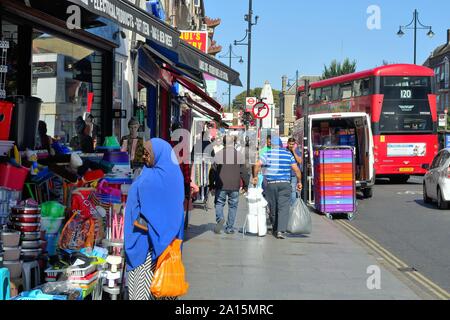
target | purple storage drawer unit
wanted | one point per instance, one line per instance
(329, 199)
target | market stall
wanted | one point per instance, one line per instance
(61, 220)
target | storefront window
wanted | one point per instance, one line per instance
(67, 77)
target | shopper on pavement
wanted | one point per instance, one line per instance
(225, 181)
(154, 216)
(295, 151)
(277, 164)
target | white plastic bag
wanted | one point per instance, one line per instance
(300, 219)
(256, 216)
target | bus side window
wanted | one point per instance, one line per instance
(335, 94)
(346, 90)
(357, 88)
(366, 87)
(318, 95)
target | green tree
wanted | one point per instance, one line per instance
(336, 69)
(239, 101)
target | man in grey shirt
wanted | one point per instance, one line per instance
(227, 172)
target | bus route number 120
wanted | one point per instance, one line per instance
(405, 94)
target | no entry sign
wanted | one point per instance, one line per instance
(261, 110)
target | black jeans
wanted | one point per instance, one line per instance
(279, 197)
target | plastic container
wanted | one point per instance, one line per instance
(27, 227)
(30, 236)
(31, 254)
(51, 225)
(6, 111)
(81, 272)
(13, 177)
(10, 238)
(34, 244)
(14, 267)
(11, 253)
(26, 218)
(52, 209)
(25, 120)
(52, 243)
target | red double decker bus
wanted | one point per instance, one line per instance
(401, 102)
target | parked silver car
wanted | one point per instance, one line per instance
(436, 184)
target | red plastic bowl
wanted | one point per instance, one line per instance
(27, 227)
(26, 218)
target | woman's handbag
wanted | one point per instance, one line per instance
(169, 279)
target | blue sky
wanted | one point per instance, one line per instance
(305, 35)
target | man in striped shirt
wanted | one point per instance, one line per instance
(277, 164)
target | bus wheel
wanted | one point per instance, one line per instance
(368, 193)
(400, 179)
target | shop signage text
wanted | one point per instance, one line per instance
(206, 67)
(130, 18)
(196, 39)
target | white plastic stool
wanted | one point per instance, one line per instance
(31, 275)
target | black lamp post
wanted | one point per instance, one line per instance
(414, 25)
(231, 55)
(249, 18)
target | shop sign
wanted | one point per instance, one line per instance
(228, 117)
(132, 18)
(197, 39)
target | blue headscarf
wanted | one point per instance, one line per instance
(158, 194)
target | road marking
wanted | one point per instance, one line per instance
(396, 262)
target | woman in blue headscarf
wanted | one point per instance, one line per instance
(156, 198)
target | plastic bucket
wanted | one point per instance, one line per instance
(6, 109)
(52, 209)
(25, 120)
(13, 177)
(52, 243)
(51, 225)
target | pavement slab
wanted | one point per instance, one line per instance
(327, 265)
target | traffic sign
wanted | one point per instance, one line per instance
(250, 102)
(261, 110)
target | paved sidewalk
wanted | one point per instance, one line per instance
(327, 265)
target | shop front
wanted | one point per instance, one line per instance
(64, 176)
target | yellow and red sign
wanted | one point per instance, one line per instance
(198, 39)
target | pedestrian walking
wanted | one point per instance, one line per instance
(154, 216)
(295, 151)
(227, 172)
(277, 164)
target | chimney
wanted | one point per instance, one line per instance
(284, 84)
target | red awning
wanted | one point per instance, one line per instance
(191, 86)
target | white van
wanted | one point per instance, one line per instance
(360, 123)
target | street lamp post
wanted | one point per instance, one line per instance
(249, 18)
(413, 25)
(231, 55)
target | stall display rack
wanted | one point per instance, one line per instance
(334, 181)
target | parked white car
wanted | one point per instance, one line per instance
(436, 184)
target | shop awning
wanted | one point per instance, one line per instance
(191, 86)
(133, 18)
(194, 58)
(205, 111)
(164, 38)
(198, 62)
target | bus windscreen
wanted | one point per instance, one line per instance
(406, 108)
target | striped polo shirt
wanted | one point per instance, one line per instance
(277, 164)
